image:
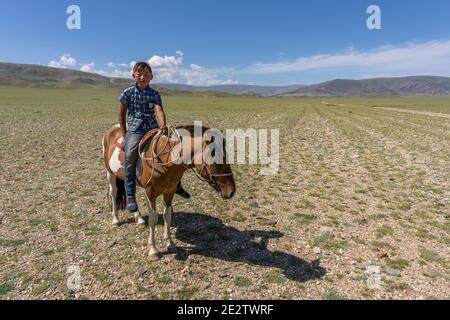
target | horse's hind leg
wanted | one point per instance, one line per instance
(168, 211)
(113, 194)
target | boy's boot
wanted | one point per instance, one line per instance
(131, 204)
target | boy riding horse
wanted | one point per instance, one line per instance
(145, 112)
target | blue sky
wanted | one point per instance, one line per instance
(229, 41)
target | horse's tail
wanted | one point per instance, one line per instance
(120, 196)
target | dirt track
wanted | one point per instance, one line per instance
(431, 114)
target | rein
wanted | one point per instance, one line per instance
(155, 155)
(210, 179)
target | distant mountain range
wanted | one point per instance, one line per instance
(385, 87)
(23, 75)
(237, 89)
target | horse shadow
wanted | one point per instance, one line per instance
(210, 237)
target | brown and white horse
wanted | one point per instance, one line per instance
(159, 174)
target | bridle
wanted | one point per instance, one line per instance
(211, 176)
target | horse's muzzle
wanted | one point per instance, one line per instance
(228, 191)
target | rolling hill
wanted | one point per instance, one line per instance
(23, 75)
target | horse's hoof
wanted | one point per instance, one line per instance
(140, 222)
(155, 256)
(115, 223)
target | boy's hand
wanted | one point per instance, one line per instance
(121, 145)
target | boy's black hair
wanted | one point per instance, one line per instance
(141, 66)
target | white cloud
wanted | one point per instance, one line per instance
(170, 69)
(89, 67)
(56, 64)
(68, 60)
(431, 57)
(116, 73)
(118, 65)
(64, 61)
(167, 69)
(120, 74)
(169, 62)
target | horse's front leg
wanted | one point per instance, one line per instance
(153, 253)
(168, 211)
(138, 218)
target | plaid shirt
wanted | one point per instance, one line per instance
(141, 107)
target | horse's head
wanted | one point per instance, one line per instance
(214, 168)
(206, 147)
(218, 176)
(216, 171)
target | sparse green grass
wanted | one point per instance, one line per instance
(275, 277)
(446, 226)
(242, 282)
(381, 244)
(400, 264)
(384, 231)
(332, 294)
(305, 204)
(429, 255)
(48, 252)
(164, 295)
(166, 280)
(41, 288)
(254, 205)
(423, 233)
(302, 218)
(11, 243)
(36, 222)
(186, 293)
(5, 289)
(323, 240)
(399, 286)
(327, 241)
(101, 276)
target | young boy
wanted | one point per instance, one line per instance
(145, 112)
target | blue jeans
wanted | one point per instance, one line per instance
(132, 140)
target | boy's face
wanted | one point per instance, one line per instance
(143, 77)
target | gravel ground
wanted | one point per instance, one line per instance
(358, 210)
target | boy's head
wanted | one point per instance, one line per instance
(142, 73)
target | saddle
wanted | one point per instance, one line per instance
(143, 145)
